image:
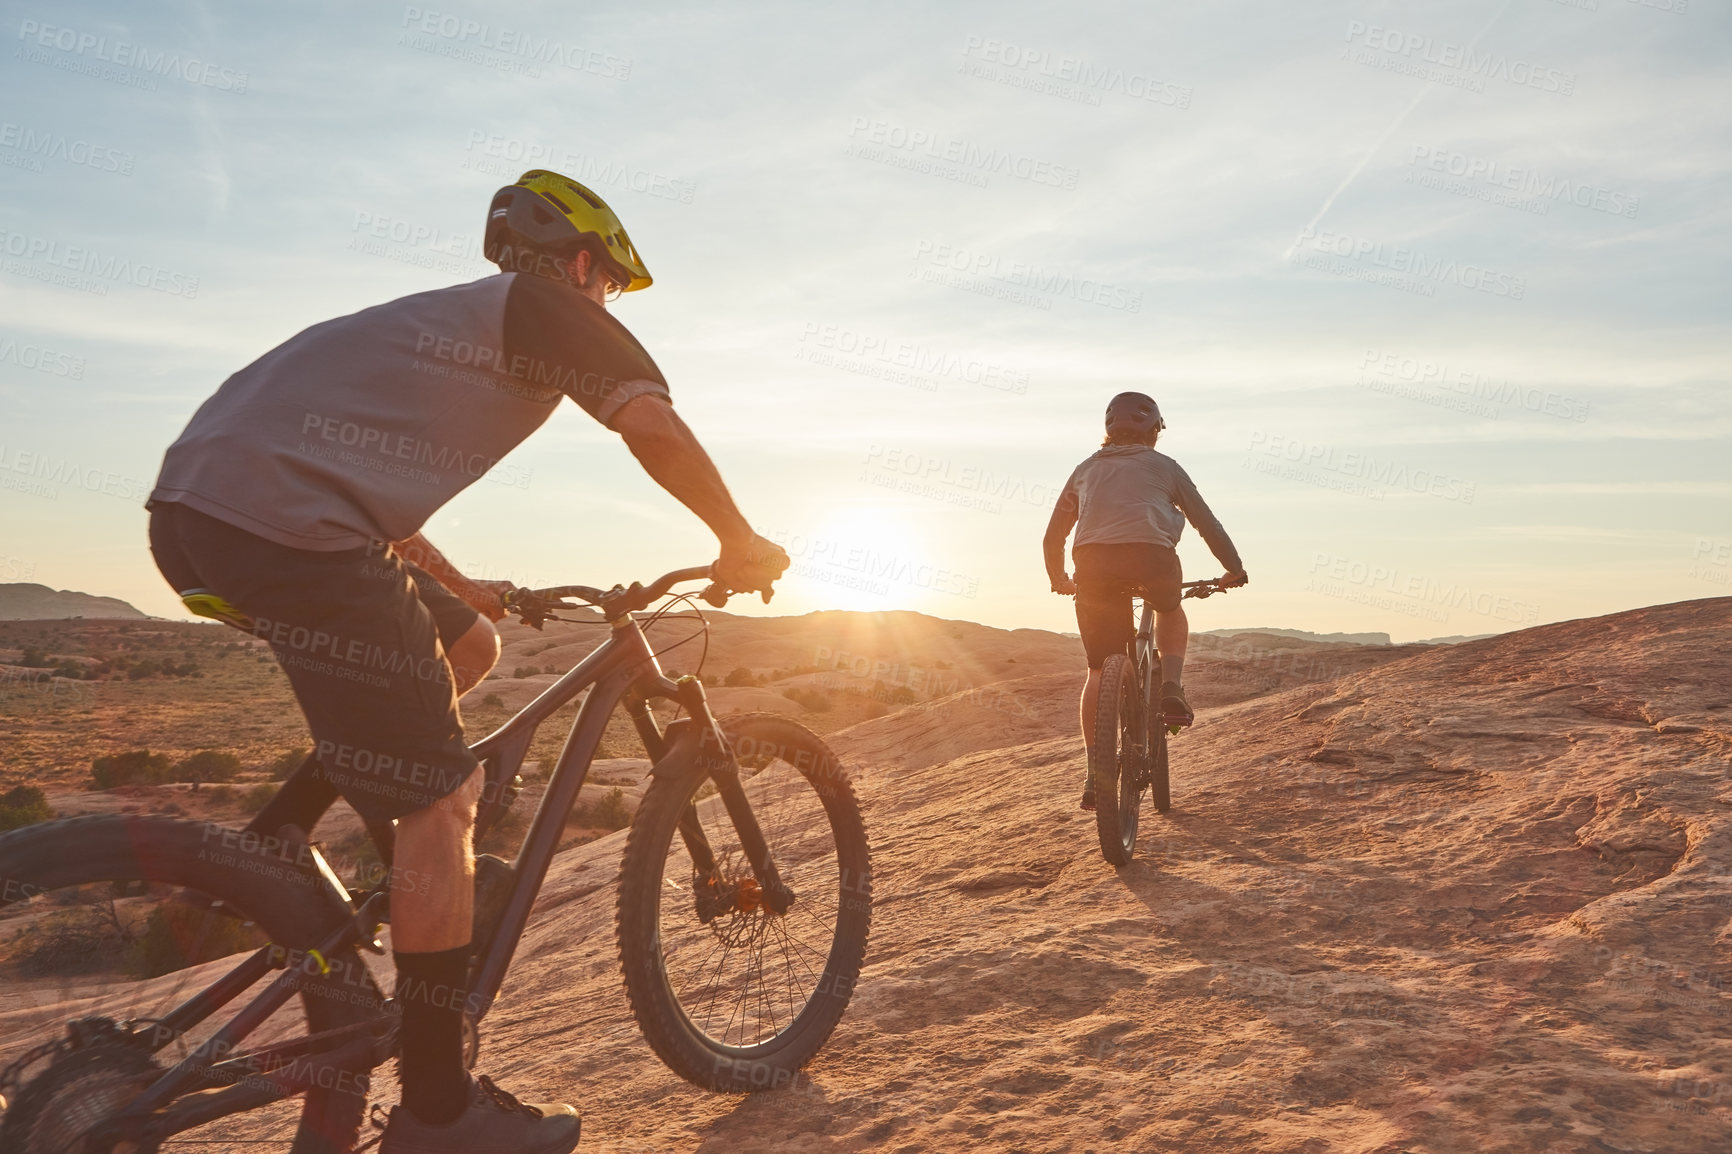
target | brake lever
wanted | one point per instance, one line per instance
(526, 607)
(717, 594)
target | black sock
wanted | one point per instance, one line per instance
(431, 989)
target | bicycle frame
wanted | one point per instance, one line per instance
(622, 669)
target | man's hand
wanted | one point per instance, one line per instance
(1234, 580)
(1064, 586)
(751, 564)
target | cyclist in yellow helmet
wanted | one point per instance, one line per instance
(292, 506)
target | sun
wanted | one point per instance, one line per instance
(859, 557)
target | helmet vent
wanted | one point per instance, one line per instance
(558, 203)
(585, 193)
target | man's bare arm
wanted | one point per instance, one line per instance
(670, 453)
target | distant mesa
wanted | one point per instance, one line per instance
(1307, 635)
(24, 601)
(1349, 638)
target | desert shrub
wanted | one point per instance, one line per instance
(142, 670)
(138, 767)
(609, 811)
(208, 765)
(812, 699)
(526, 671)
(257, 796)
(177, 935)
(286, 763)
(740, 678)
(87, 938)
(23, 805)
(494, 700)
(33, 657)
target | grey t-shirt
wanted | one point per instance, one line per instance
(1125, 494)
(358, 429)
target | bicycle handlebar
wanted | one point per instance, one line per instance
(534, 606)
(1209, 588)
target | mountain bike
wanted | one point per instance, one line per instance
(744, 902)
(1130, 744)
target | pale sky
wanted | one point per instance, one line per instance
(1433, 295)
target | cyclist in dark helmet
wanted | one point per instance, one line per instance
(1129, 504)
(292, 506)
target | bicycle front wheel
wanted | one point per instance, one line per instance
(1118, 766)
(731, 994)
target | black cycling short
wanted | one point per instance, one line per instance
(361, 637)
(1106, 578)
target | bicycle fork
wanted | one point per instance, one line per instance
(714, 759)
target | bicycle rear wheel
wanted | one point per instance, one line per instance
(730, 994)
(1118, 760)
(91, 902)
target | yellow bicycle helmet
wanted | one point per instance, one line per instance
(545, 212)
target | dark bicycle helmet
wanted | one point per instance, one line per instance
(1133, 417)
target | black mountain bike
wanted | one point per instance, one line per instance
(1131, 735)
(744, 902)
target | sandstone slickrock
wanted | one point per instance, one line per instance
(1474, 898)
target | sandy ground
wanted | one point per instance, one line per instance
(1472, 900)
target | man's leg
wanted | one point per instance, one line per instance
(1172, 638)
(432, 891)
(1086, 707)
